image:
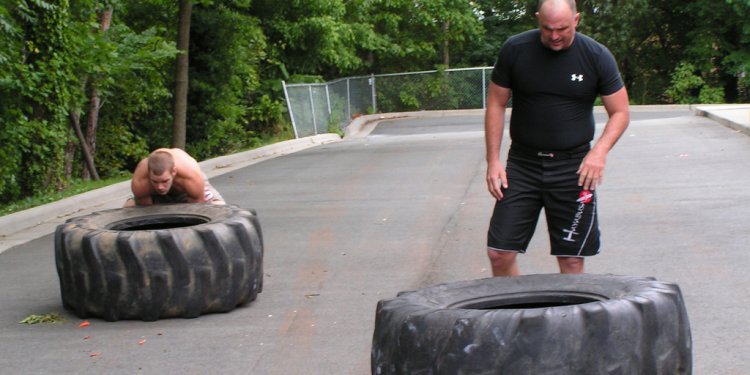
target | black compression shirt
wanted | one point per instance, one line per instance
(554, 92)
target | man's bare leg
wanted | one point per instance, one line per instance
(570, 264)
(503, 263)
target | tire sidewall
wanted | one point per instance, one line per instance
(633, 325)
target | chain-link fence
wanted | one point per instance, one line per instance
(317, 108)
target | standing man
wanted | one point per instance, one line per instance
(554, 75)
(170, 175)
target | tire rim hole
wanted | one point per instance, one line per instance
(158, 222)
(529, 301)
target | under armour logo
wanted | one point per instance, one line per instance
(576, 77)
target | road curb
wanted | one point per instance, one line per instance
(733, 116)
(363, 125)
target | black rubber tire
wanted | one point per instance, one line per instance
(535, 324)
(164, 261)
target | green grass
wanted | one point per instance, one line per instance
(77, 187)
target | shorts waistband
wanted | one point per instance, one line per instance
(524, 151)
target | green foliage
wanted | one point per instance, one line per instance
(711, 95)
(134, 91)
(451, 24)
(685, 85)
(223, 80)
(310, 36)
(418, 92)
(648, 37)
(690, 88)
(60, 51)
(266, 114)
(118, 149)
(334, 126)
(499, 20)
(35, 87)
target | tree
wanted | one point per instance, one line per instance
(108, 56)
(227, 51)
(448, 23)
(653, 40)
(181, 75)
(89, 146)
(41, 81)
(13, 127)
(309, 37)
(499, 20)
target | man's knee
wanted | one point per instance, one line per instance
(503, 262)
(501, 256)
(570, 264)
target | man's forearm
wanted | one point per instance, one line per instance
(143, 201)
(619, 118)
(494, 124)
(613, 130)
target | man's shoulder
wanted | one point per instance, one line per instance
(590, 44)
(526, 37)
(141, 169)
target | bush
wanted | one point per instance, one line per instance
(690, 88)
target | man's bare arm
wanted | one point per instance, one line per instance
(494, 126)
(140, 185)
(194, 185)
(591, 171)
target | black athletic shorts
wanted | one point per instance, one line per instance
(539, 179)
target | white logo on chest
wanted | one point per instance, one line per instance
(576, 77)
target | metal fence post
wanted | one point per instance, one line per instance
(289, 107)
(312, 108)
(374, 96)
(348, 101)
(328, 100)
(330, 112)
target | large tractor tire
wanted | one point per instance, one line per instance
(535, 324)
(164, 261)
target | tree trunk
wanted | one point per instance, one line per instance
(92, 121)
(181, 79)
(92, 118)
(75, 122)
(70, 153)
(446, 44)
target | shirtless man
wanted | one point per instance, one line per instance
(170, 175)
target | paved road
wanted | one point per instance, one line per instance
(349, 223)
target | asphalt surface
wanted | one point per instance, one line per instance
(398, 206)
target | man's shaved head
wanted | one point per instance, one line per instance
(570, 3)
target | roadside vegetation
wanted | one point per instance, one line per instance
(88, 87)
(75, 187)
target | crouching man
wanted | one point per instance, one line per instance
(170, 175)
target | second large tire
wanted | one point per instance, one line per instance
(535, 324)
(163, 261)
